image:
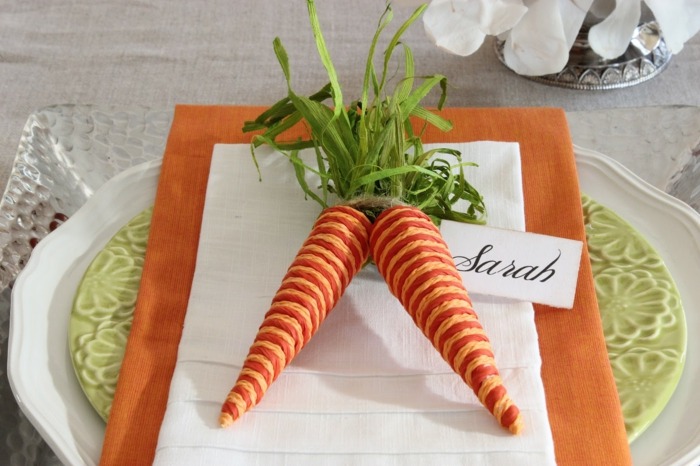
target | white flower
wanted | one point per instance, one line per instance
(460, 26)
(602, 8)
(540, 43)
(679, 20)
(611, 37)
(539, 34)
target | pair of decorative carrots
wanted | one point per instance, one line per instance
(369, 156)
(411, 255)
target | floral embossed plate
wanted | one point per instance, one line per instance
(39, 361)
(642, 313)
(40, 365)
(640, 307)
(103, 311)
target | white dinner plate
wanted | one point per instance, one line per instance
(41, 373)
(673, 229)
(39, 364)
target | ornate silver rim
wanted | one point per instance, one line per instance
(588, 71)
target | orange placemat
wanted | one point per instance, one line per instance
(582, 400)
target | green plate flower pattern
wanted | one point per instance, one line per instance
(103, 310)
(642, 315)
(640, 308)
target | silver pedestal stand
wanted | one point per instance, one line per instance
(646, 57)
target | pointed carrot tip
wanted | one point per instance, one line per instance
(225, 420)
(517, 426)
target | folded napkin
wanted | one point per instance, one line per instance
(369, 388)
(581, 398)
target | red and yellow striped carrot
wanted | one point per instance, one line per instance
(417, 265)
(335, 250)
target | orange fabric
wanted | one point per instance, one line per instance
(581, 397)
(584, 409)
(142, 388)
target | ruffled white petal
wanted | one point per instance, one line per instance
(679, 20)
(602, 8)
(451, 29)
(540, 33)
(460, 26)
(573, 13)
(496, 17)
(537, 45)
(611, 37)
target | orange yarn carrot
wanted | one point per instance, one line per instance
(413, 258)
(335, 250)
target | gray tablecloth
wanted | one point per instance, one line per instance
(161, 52)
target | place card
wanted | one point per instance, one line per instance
(514, 264)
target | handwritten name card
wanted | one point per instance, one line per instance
(514, 264)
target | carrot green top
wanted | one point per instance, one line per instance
(368, 148)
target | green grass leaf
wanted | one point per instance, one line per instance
(369, 147)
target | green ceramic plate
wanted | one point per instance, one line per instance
(643, 319)
(103, 310)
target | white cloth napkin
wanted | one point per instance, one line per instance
(369, 388)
